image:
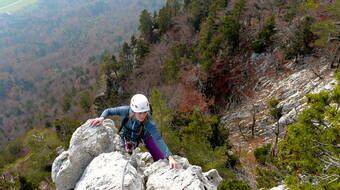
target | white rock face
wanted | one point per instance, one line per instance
(87, 142)
(187, 177)
(96, 160)
(280, 187)
(106, 172)
(290, 90)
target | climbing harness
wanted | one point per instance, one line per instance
(129, 144)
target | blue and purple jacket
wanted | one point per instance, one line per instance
(151, 135)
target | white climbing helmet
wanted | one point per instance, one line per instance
(139, 103)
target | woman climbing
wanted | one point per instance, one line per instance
(138, 126)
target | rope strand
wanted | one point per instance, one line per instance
(133, 152)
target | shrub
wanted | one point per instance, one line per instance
(233, 185)
(64, 128)
(267, 178)
(302, 40)
(230, 31)
(201, 139)
(198, 143)
(312, 144)
(232, 161)
(26, 184)
(198, 11)
(263, 38)
(262, 154)
(179, 55)
(65, 103)
(11, 151)
(86, 100)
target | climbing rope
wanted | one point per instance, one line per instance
(133, 152)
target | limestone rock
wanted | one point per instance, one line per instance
(280, 187)
(106, 171)
(97, 160)
(87, 142)
(187, 176)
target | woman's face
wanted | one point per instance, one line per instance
(140, 116)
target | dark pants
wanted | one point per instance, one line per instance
(152, 147)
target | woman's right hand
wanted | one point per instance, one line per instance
(97, 121)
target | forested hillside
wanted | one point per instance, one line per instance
(52, 51)
(235, 85)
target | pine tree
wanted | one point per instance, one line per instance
(86, 100)
(311, 147)
(200, 143)
(125, 60)
(303, 38)
(163, 117)
(109, 66)
(164, 19)
(146, 24)
(198, 10)
(263, 38)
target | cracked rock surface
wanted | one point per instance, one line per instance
(96, 160)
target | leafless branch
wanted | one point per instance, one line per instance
(240, 129)
(323, 144)
(316, 72)
(327, 177)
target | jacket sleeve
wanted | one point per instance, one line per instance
(121, 111)
(152, 129)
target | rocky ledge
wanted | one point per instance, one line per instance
(95, 160)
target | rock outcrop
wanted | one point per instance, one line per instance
(96, 160)
(250, 123)
(86, 143)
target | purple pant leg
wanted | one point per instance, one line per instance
(155, 152)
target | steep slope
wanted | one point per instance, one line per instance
(209, 66)
(47, 52)
(251, 124)
(237, 59)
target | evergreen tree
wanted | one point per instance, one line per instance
(311, 147)
(125, 60)
(163, 117)
(263, 38)
(146, 24)
(303, 38)
(239, 7)
(179, 55)
(198, 10)
(233, 185)
(109, 66)
(326, 29)
(141, 50)
(275, 112)
(65, 103)
(230, 32)
(86, 100)
(198, 142)
(164, 19)
(171, 9)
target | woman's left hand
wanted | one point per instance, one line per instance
(172, 162)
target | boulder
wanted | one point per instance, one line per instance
(97, 160)
(189, 177)
(280, 187)
(106, 172)
(87, 142)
